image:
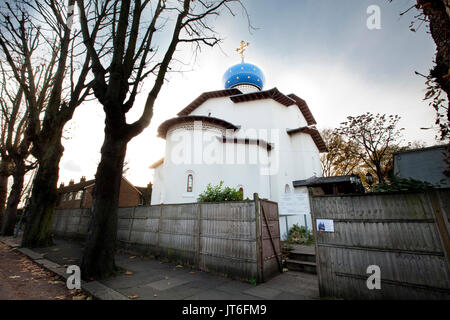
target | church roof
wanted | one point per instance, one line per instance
(267, 94)
(157, 164)
(244, 73)
(237, 97)
(206, 96)
(315, 135)
(166, 125)
(303, 106)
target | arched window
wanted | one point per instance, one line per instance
(287, 189)
(190, 182)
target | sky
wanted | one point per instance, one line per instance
(321, 50)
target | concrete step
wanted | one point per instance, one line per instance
(302, 266)
(302, 256)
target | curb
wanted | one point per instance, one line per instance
(94, 288)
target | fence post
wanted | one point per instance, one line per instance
(131, 224)
(159, 226)
(315, 237)
(199, 224)
(441, 221)
(259, 260)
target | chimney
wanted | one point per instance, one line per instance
(71, 182)
(83, 179)
(61, 185)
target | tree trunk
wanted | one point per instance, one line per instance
(10, 217)
(379, 172)
(4, 175)
(38, 229)
(98, 256)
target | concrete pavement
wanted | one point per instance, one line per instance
(150, 279)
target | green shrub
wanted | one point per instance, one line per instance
(402, 184)
(219, 193)
(297, 234)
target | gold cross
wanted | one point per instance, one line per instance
(241, 49)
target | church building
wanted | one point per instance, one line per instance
(253, 139)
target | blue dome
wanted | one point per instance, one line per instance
(243, 73)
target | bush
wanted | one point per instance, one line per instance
(401, 184)
(297, 234)
(220, 194)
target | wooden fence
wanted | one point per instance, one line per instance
(406, 235)
(231, 238)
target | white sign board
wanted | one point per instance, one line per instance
(294, 203)
(326, 225)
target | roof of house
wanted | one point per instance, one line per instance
(315, 135)
(85, 184)
(237, 96)
(443, 146)
(322, 180)
(76, 186)
(166, 125)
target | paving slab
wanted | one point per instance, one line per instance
(167, 284)
(214, 294)
(30, 253)
(263, 292)
(103, 292)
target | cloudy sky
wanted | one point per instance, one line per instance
(320, 50)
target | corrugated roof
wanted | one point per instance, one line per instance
(321, 180)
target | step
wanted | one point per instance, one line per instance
(302, 266)
(302, 256)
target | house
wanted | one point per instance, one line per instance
(332, 185)
(79, 195)
(424, 164)
(254, 140)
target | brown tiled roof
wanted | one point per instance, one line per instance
(315, 135)
(259, 95)
(237, 96)
(304, 109)
(76, 186)
(258, 142)
(206, 96)
(166, 125)
(157, 163)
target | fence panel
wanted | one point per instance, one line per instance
(222, 237)
(397, 232)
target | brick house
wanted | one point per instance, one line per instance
(79, 195)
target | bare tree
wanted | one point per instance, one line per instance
(30, 32)
(436, 15)
(375, 137)
(14, 143)
(133, 56)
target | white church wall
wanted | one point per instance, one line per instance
(205, 168)
(158, 183)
